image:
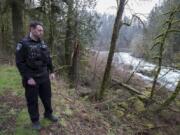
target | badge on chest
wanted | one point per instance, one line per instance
(34, 51)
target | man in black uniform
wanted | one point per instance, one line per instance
(35, 66)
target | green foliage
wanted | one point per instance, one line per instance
(157, 23)
(53, 14)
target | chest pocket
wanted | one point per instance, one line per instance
(45, 53)
(34, 52)
(35, 56)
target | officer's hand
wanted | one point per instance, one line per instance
(52, 76)
(31, 81)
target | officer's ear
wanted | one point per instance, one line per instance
(31, 29)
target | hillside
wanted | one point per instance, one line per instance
(121, 113)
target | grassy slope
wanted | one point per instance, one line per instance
(77, 115)
(9, 79)
(14, 117)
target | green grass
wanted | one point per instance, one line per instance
(10, 80)
(23, 126)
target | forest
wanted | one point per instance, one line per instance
(115, 74)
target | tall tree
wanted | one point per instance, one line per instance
(17, 18)
(160, 41)
(69, 41)
(11, 24)
(117, 26)
(80, 29)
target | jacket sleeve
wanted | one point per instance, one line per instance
(21, 52)
(49, 64)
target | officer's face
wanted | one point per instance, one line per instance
(38, 31)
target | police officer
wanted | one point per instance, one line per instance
(35, 66)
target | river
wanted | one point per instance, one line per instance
(168, 77)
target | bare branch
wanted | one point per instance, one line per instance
(133, 17)
(170, 31)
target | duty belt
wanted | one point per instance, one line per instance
(39, 75)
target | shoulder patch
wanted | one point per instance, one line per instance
(18, 47)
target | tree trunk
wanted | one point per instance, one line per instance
(161, 51)
(73, 71)
(115, 34)
(17, 19)
(69, 41)
(74, 67)
(51, 18)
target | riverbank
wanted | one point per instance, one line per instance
(142, 70)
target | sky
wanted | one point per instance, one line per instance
(134, 6)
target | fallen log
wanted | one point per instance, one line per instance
(128, 87)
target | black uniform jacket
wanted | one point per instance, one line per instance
(33, 59)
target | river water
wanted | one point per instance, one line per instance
(168, 77)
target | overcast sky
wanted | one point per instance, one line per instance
(133, 6)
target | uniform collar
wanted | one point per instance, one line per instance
(29, 37)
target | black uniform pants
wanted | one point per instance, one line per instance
(43, 90)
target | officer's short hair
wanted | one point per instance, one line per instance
(34, 24)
